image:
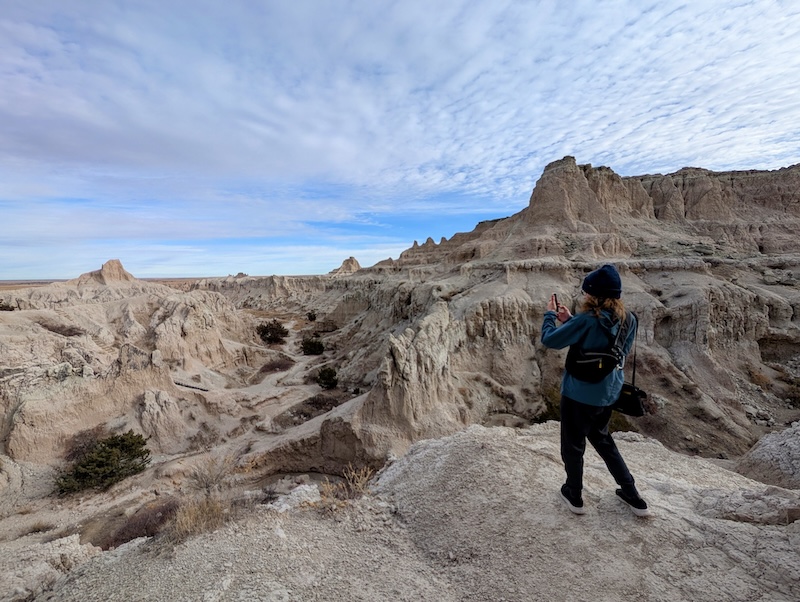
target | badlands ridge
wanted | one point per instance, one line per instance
(425, 345)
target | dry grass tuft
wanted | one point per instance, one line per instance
(211, 475)
(354, 484)
(198, 516)
(39, 526)
(357, 480)
(759, 379)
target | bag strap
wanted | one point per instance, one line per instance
(635, 336)
(623, 327)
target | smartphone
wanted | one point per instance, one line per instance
(555, 298)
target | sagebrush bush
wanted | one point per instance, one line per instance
(272, 332)
(312, 347)
(326, 378)
(277, 365)
(210, 476)
(109, 461)
(148, 521)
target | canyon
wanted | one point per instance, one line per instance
(442, 339)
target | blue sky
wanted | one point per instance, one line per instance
(204, 138)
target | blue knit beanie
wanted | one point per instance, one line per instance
(604, 283)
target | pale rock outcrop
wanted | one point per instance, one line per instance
(668, 202)
(349, 266)
(775, 459)
(483, 499)
(563, 198)
(286, 292)
(162, 423)
(109, 274)
(35, 568)
(107, 339)
(621, 197)
(41, 416)
(194, 326)
(110, 283)
(475, 516)
(411, 381)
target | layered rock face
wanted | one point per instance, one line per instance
(107, 349)
(775, 459)
(705, 265)
(444, 336)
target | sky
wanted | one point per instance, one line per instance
(205, 138)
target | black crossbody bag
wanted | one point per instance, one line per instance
(631, 399)
(594, 366)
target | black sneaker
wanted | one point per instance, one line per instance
(575, 504)
(637, 504)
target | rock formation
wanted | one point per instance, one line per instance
(475, 516)
(349, 266)
(109, 274)
(444, 336)
(775, 459)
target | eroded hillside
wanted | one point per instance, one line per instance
(445, 336)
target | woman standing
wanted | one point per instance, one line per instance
(586, 407)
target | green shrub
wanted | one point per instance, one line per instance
(326, 378)
(272, 332)
(110, 461)
(312, 347)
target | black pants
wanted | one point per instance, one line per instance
(580, 422)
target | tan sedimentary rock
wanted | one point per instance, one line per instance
(110, 273)
(100, 346)
(38, 567)
(349, 266)
(162, 422)
(775, 459)
(443, 336)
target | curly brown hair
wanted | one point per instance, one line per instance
(598, 304)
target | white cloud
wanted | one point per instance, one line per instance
(249, 119)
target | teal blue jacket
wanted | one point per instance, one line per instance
(592, 333)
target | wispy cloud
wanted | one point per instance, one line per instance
(198, 121)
